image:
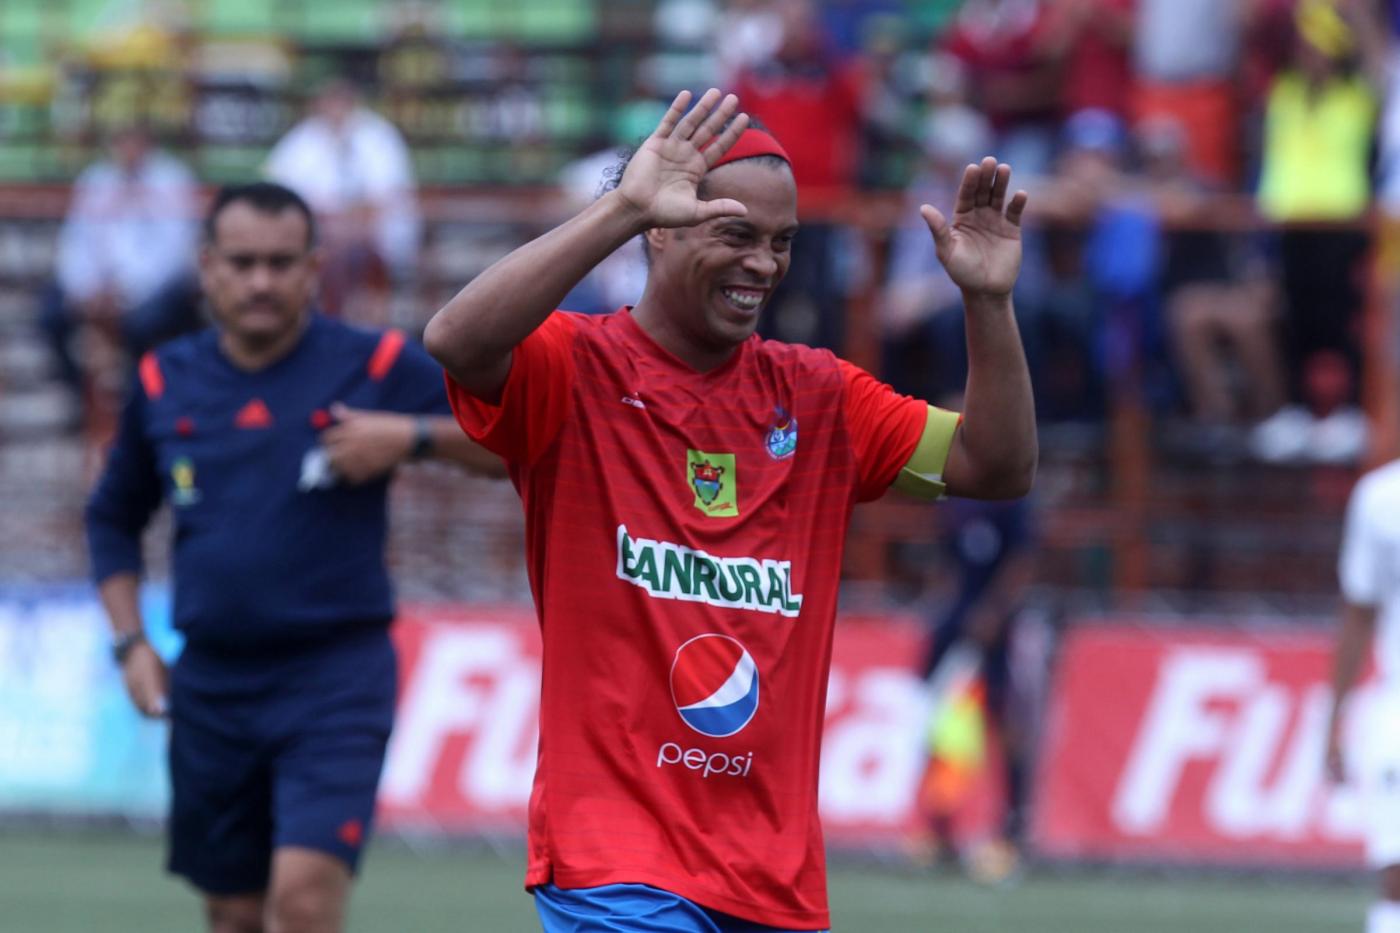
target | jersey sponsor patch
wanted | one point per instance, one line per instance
(714, 683)
(673, 571)
(715, 481)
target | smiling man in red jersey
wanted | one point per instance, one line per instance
(687, 489)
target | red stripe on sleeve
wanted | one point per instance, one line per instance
(385, 354)
(152, 381)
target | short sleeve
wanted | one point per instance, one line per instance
(1358, 565)
(535, 400)
(413, 385)
(884, 428)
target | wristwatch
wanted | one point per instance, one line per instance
(123, 643)
(422, 439)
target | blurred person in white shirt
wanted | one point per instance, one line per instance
(1369, 569)
(125, 253)
(354, 168)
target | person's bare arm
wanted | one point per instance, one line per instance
(473, 335)
(363, 445)
(1353, 641)
(994, 451)
(143, 671)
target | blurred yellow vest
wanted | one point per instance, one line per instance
(1316, 149)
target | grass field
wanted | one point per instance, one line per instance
(66, 883)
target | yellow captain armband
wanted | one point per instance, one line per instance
(922, 476)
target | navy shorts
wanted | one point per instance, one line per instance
(632, 908)
(276, 749)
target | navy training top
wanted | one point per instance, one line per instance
(268, 546)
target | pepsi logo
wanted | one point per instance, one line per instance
(714, 683)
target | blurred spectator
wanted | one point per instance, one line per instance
(1318, 129)
(1266, 49)
(810, 98)
(751, 32)
(125, 253)
(1011, 76)
(1101, 255)
(618, 280)
(924, 351)
(1221, 304)
(1092, 41)
(852, 24)
(1187, 55)
(1388, 169)
(354, 168)
(893, 99)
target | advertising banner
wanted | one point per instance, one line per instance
(462, 757)
(1159, 743)
(70, 741)
(1203, 745)
(463, 753)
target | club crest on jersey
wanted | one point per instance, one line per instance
(183, 491)
(714, 479)
(714, 684)
(781, 439)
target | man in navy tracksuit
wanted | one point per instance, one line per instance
(272, 436)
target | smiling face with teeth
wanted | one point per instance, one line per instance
(707, 283)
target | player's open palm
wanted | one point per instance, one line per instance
(663, 176)
(981, 246)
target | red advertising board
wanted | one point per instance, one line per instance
(463, 752)
(1159, 743)
(1204, 745)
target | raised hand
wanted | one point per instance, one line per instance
(981, 247)
(663, 176)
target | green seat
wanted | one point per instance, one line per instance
(556, 21)
(341, 21)
(21, 32)
(242, 17)
(229, 164)
(473, 18)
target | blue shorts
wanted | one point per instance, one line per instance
(271, 750)
(633, 908)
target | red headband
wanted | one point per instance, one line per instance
(752, 142)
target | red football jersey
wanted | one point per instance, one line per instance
(684, 534)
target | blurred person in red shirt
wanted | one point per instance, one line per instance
(1011, 74)
(1092, 41)
(812, 98)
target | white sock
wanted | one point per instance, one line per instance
(1383, 917)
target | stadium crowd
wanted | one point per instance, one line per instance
(1203, 177)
